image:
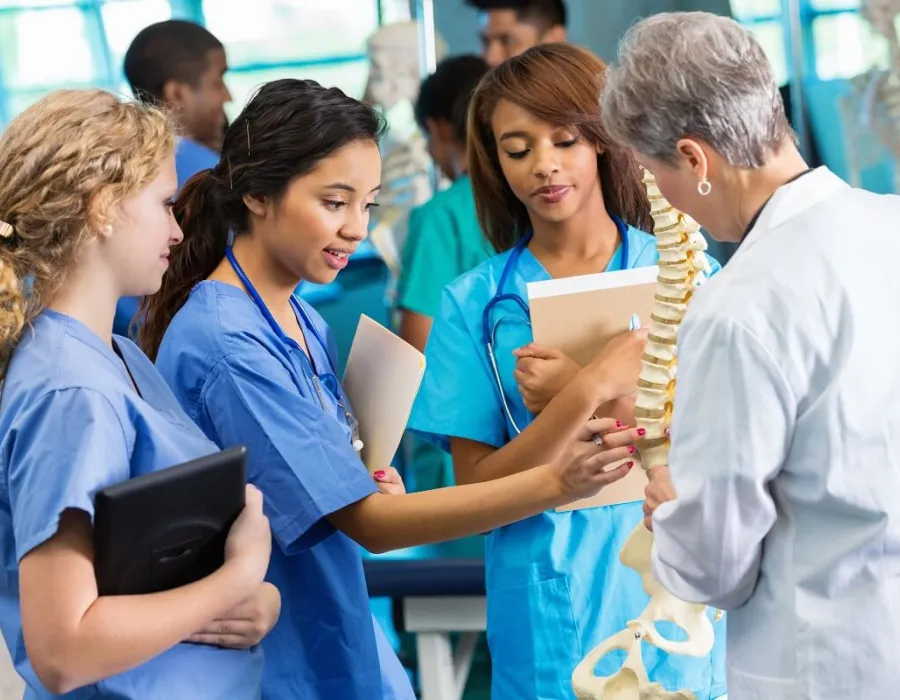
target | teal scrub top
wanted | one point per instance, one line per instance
(556, 587)
(444, 240)
(71, 424)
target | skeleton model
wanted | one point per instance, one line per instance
(871, 110)
(393, 85)
(682, 267)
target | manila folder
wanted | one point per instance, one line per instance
(381, 381)
(579, 315)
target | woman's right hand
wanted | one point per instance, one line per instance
(614, 370)
(581, 466)
(249, 542)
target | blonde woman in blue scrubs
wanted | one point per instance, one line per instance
(86, 187)
(561, 199)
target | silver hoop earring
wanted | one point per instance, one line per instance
(703, 187)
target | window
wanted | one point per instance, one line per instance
(843, 44)
(836, 41)
(314, 39)
(763, 18)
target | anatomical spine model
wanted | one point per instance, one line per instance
(682, 267)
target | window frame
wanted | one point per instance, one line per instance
(110, 76)
(808, 16)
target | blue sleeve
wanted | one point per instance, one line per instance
(64, 448)
(298, 455)
(458, 396)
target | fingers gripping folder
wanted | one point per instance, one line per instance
(682, 267)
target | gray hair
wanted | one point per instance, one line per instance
(694, 74)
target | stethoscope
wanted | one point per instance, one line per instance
(489, 334)
(313, 380)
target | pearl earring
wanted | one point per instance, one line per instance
(107, 230)
(704, 187)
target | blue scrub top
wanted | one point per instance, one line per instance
(191, 157)
(71, 424)
(243, 384)
(556, 587)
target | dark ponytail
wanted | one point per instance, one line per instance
(285, 130)
(205, 238)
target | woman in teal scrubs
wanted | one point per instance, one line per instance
(253, 364)
(560, 199)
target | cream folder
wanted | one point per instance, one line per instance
(381, 381)
(579, 315)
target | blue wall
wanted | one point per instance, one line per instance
(592, 23)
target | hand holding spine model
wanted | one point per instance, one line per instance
(682, 266)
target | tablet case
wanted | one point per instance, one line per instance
(168, 528)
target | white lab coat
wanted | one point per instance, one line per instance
(786, 449)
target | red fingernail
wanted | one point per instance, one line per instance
(618, 424)
(631, 450)
(642, 432)
(630, 465)
(379, 474)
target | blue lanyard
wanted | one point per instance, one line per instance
(298, 308)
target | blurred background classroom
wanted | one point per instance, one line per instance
(837, 60)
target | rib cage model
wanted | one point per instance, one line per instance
(682, 267)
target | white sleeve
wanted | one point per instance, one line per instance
(731, 430)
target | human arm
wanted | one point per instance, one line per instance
(62, 448)
(610, 375)
(244, 625)
(541, 373)
(732, 425)
(382, 524)
(76, 637)
(414, 328)
(300, 456)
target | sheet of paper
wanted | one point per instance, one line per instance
(381, 381)
(579, 315)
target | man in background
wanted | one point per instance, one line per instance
(181, 66)
(509, 27)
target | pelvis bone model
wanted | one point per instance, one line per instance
(682, 267)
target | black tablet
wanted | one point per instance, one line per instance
(167, 528)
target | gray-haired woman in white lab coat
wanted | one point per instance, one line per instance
(781, 502)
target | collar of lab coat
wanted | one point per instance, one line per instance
(792, 200)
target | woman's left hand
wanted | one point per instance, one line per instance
(656, 492)
(541, 374)
(244, 625)
(389, 481)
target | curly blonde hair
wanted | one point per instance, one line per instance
(65, 164)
